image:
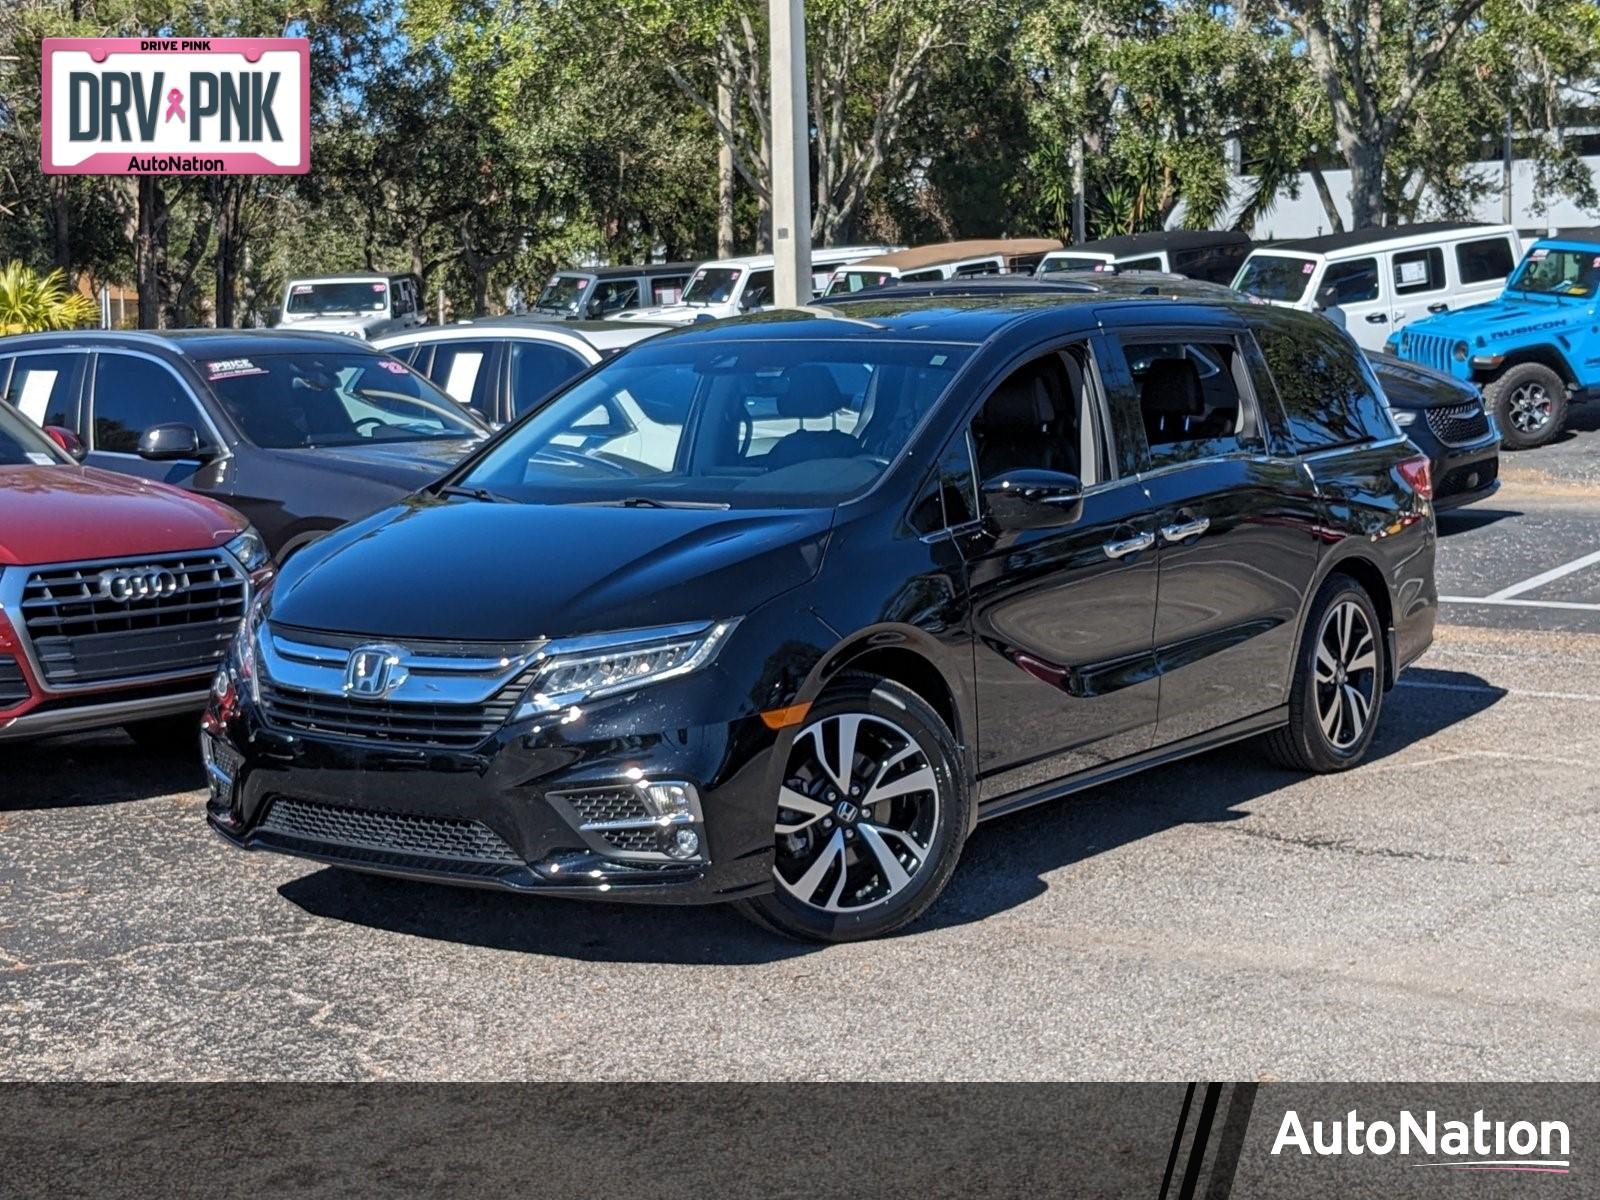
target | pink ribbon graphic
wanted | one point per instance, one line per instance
(174, 105)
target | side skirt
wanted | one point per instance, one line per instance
(1210, 740)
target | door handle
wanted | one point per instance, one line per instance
(1377, 318)
(1438, 306)
(1185, 529)
(1127, 546)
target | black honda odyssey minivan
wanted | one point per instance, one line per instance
(775, 610)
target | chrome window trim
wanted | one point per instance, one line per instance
(13, 580)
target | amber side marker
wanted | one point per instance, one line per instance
(782, 718)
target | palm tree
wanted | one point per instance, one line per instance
(30, 302)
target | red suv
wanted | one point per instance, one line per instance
(118, 596)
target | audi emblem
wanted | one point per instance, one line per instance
(140, 583)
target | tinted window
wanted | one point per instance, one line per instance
(1327, 390)
(1140, 264)
(463, 370)
(1192, 400)
(537, 369)
(43, 387)
(1418, 271)
(747, 424)
(334, 398)
(133, 394)
(1351, 282)
(1484, 261)
(950, 497)
(928, 275)
(1039, 417)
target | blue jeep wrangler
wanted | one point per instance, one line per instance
(1531, 351)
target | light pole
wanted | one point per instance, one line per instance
(791, 164)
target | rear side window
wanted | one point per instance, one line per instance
(537, 369)
(1418, 271)
(43, 387)
(462, 371)
(1192, 400)
(1487, 260)
(1352, 282)
(1328, 392)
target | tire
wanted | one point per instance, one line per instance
(1320, 737)
(847, 871)
(167, 735)
(1529, 403)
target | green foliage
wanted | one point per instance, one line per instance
(31, 302)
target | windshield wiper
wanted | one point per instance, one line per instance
(653, 502)
(484, 495)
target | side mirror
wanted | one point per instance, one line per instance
(160, 443)
(595, 309)
(1033, 499)
(68, 441)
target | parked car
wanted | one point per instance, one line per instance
(1443, 417)
(502, 366)
(1210, 254)
(599, 292)
(1384, 278)
(1038, 549)
(364, 306)
(943, 260)
(118, 597)
(1535, 348)
(730, 286)
(299, 431)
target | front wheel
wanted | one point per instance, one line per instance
(1529, 403)
(1338, 683)
(871, 816)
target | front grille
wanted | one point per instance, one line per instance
(596, 805)
(13, 687)
(1429, 350)
(1467, 479)
(389, 722)
(82, 635)
(368, 831)
(1458, 425)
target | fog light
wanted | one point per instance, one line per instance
(685, 844)
(670, 801)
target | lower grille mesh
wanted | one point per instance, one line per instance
(404, 834)
(1458, 425)
(13, 687)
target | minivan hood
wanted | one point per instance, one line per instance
(441, 568)
(409, 465)
(71, 514)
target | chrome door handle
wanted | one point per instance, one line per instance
(1187, 529)
(1138, 542)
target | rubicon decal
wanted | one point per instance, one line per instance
(169, 106)
(1478, 1144)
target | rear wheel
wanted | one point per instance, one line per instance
(871, 816)
(1529, 403)
(1338, 683)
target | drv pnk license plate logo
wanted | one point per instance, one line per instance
(177, 106)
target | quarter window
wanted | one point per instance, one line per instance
(42, 387)
(132, 395)
(1351, 282)
(1327, 390)
(537, 369)
(1418, 271)
(1485, 261)
(1193, 400)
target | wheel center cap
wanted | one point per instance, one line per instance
(846, 812)
(1341, 674)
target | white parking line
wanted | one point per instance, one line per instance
(1544, 577)
(1566, 604)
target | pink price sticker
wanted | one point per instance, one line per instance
(1596, 262)
(380, 287)
(393, 367)
(1307, 268)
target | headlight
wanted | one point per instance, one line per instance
(1403, 417)
(581, 669)
(250, 550)
(1460, 351)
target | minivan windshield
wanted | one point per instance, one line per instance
(22, 444)
(712, 285)
(352, 296)
(757, 424)
(1550, 272)
(1275, 276)
(334, 398)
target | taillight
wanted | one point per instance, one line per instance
(1418, 472)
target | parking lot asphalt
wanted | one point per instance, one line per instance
(1430, 915)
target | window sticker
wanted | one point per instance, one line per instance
(232, 368)
(393, 367)
(380, 287)
(1413, 272)
(301, 289)
(1307, 268)
(1539, 255)
(1596, 262)
(37, 385)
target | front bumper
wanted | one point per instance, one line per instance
(99, 712)
(1462, 474)
(500, 816)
